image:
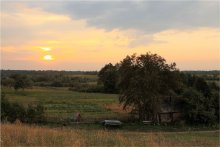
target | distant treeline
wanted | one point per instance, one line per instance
(203, 72)
(84, 81)
(6, 73)
(212, 75)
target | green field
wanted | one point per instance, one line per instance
(60, 103)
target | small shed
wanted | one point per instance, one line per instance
(169, 117)
(169, 111)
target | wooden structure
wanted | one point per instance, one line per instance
(169, 111)
(169, 117)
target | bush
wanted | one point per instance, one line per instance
(35, 113)
(12, 111)
(17, 112)
(197, 109)
(5, 107)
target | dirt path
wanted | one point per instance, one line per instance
(182, 132)
(194, 131)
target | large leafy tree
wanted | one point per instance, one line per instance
(143, 81)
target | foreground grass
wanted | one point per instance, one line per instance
(25, 135)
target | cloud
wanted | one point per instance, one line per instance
(24, 24)
(143, 17)
(146, 16)
(28, 29)
(95, 33)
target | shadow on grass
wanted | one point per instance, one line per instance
(135, 127)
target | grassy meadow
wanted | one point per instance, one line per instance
(60, 103)
(60, 106)
(29, 135)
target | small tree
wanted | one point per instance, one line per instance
(22, 82)
(108, 76)
(143, 81)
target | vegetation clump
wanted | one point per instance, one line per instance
(10, 112)
(145, 82)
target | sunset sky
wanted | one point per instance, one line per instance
(83, 35)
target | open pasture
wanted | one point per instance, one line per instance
(60, 103)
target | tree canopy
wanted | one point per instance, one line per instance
(21, 81)
(144, 80)
(108, 76)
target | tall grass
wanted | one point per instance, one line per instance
(26, 135)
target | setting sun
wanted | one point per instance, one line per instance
(48, 58)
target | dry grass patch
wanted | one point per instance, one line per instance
(30, 135)
(115, 107)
